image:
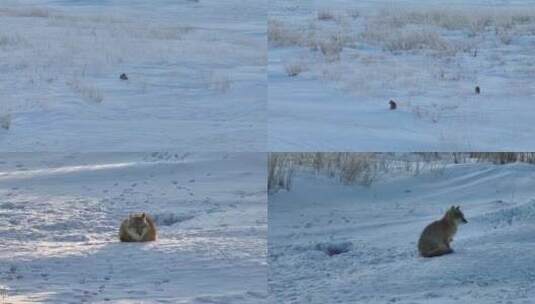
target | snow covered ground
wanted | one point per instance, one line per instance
(334, 65)
(371, 234)
(60, 214)
(196, 69)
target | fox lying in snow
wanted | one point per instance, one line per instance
(138, 228)
(437, 236)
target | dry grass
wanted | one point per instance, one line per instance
(283, 35)
(340, 50)
(416, 40)
(504, 36)
(87, 92)
(294, 69)
(331, 48)
(397, 30)
(36, 12)
(325, 15)
(454, 19)
(280, 171)
(350, 168)
(220, 82)
(366, 168)
(11, 40)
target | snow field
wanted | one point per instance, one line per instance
(60, 217)
(333, 67)
(330, 243)
(197, 80)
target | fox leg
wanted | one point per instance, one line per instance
(133, 235)
(448, 250)
(442, 250)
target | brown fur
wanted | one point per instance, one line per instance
(436, 238)
(138, 228)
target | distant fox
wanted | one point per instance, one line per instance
(437, 236)
(138, 228)
(393, 105)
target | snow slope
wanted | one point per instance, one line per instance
(334, 65)
(196, 74)
(331, 243)
(60, 214)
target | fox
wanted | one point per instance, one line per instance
(138, 228)
(436, 238)
(393, 105)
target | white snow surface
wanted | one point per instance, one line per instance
(371, 234)
(196, 69)
(334, 65)
(60, 215)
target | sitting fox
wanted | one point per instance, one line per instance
(393, 105)
(138, 228)
(437, 236)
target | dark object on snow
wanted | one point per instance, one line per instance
(478, 90)
(123, 76)
(393, 105)
(332, 249)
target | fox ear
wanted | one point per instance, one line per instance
(143, 215)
